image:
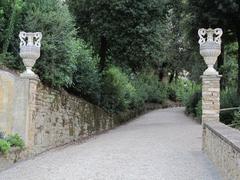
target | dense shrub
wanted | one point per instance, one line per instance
(188, 93)
(51, 17)
(4, 146)
(193, 103)
(236, 120)
(57, 62)
(86, 79)
(199, 109)
(182, 90)
(171, 92)
(118, 92)
(150, 89)
(15, 141)
(229, 98)
(6, 142)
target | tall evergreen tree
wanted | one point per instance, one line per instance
(123, 31)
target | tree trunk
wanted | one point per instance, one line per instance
(161, 71)
(103, 53)
(171, 77)
(220, 63)
(221, 58)
(238, 40)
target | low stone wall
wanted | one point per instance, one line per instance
(12, 157)
(222, 145)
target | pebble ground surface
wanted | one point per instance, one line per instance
(160, 145)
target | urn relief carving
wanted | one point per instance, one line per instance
(210, 47)
(30, 51)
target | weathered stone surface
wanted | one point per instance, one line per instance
(48, 118)
(210, 97)
(222, 145)
(60, 118)
(14, 93)
(12, 157)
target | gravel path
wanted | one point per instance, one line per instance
(161, 145)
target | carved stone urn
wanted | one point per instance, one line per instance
(30, 51)
(210, 47)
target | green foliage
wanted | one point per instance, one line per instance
(57, 62)
(125, 32)
(224, 14)
(182, 89)
(236, 120)
(86, 79)
(122, 91)
(6, 142)
(172, 94)
(151, 90)
(229, 69)
(17, 6)
(193, 103)
(198, 109)
(118, 92)
(51, 17)
(229, 98)
(4, 146)
(15, 141)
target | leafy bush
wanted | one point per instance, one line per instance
(118, 92)
(198, 109)
(171, 91)
(86, 79)
(51, 17)
(15, 141)
(57, 62)
(150, 89)
(229, 98)
(236, 119)
(186, 89)
(192, 104)
(4, 146)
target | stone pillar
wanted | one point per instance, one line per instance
(17, 105)
(30, 45)
(210, 97)
(210, 49)
(31, 83)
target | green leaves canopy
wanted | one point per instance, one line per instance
(130, 28)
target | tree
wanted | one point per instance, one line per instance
(16, 10)
(172, 36)
(123, 32)
(224, 14)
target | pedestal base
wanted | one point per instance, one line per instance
(29, 75)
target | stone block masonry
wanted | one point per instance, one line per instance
(210, 97)
(61, 118)
(46, 118)
(222, 145)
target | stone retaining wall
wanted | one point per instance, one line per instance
(12, 157)
(59, 118)
(222, 145)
